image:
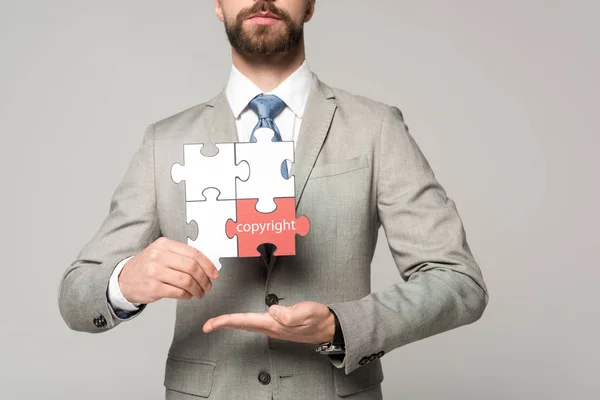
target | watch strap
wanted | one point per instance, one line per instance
(338, 336)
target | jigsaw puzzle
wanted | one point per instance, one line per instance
(209, 216)
(266, 181)
(239, 198)
(279, 227)
(201, 172)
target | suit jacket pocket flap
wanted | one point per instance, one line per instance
(189, 376)
(360, 379)
(341, 167)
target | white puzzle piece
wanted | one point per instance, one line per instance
(211, 217)
(201, 172)
(264, 158)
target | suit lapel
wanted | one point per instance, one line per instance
(219, 121)
(320, 108)
(318, 115)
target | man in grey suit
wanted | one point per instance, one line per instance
(282, 327)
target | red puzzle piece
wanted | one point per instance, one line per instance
(279, 227)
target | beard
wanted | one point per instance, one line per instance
(263, 39)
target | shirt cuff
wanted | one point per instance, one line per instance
(115, 297)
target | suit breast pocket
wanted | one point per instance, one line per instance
(339, 167)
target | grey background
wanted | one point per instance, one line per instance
(502, 98)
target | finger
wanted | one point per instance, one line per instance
(188, 266)
(247, 321)
(208, 328)
(287, 316)
(172, 292)
(180, 280)
(191, 252)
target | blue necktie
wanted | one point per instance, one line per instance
(267, 107)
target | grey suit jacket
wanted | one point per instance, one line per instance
(357, 168)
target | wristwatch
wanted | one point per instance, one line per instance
(337, 345)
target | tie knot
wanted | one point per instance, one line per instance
(267, 105)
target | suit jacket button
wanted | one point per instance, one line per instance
(380, 354)
(264, 377)
(372, 357)
(363, 361)
(271, 299)
(100, 321)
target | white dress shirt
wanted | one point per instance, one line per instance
(240, 91)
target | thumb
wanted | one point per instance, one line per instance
(280, 314)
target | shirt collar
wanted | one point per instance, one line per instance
(293, 90)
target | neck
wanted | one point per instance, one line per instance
(268, 71)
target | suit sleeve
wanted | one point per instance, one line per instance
(442, 287)
(131, 225)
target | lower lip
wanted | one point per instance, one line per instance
(263, 20)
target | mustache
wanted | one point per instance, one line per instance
(263, 6)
